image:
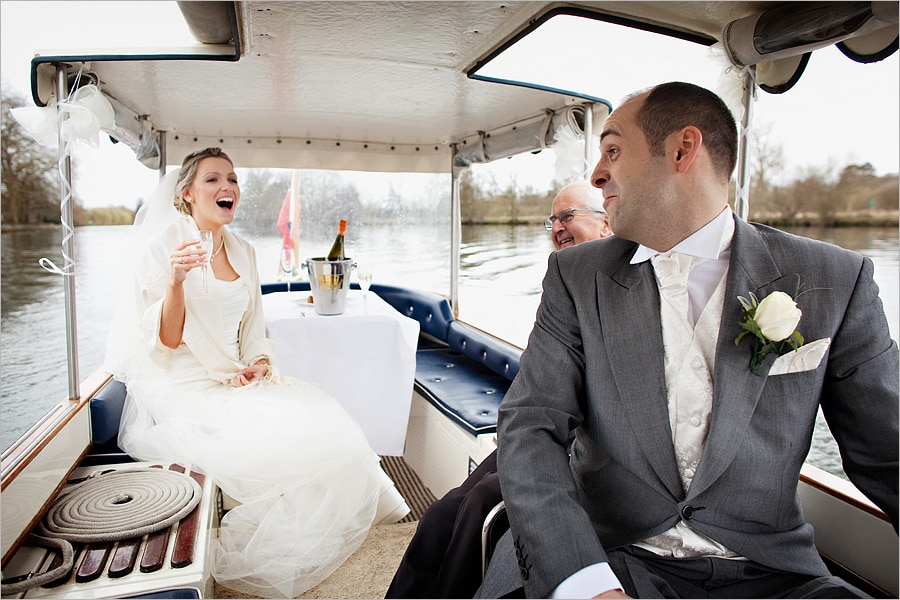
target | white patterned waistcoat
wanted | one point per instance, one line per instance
(689, 355)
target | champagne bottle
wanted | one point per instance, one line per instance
(337, 248)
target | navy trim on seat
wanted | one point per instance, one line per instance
(106, 412)
(284, 286)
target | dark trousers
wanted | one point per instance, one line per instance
(646, 575)
(443, 559)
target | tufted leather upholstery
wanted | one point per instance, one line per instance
(431, 310)
(464, 390)
(499, 356)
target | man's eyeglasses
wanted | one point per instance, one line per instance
(567, 215)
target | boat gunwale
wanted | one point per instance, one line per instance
(841, 489)
(29, 446)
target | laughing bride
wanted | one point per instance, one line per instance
(203, 389)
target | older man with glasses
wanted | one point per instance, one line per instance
(577, 216)
(443, 559)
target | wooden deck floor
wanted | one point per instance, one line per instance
(416, 494)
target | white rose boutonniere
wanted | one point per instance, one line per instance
(773, 322)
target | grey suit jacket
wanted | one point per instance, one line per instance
(591, 385)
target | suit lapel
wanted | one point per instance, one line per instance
(629, 314)
(736, 390)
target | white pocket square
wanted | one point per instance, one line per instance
(804, 358)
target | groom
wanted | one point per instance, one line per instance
(639, 453)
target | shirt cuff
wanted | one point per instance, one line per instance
(588, 582)
(259, 357)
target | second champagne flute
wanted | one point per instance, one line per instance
(364, 272)
(206, 244)
(287, 263)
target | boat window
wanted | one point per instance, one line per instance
(119, 26)
(132, 30)
(381, 209)
(586, 57)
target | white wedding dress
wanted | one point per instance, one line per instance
(306, 483)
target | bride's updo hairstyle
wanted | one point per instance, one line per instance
(189, 171)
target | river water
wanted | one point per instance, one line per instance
(500, 286)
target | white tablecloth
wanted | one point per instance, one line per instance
(366, 360)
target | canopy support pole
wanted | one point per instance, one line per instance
(67, 218)
(742, 191)
(455, 230)
(161, 141)
(588, 139)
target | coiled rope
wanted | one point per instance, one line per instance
(114, 506)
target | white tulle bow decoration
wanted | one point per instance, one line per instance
(571, 164)
(86, 113)
(39, 122)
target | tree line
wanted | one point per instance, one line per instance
(30, 193)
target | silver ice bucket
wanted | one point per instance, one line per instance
(329, 281)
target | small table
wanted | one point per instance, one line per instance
(366, 359)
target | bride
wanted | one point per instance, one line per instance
(203, 389)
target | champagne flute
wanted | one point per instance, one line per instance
(287, 263)
(206, 244)
(364, 272)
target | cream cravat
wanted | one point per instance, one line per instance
(671, 274)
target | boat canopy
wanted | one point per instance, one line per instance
(397, 86)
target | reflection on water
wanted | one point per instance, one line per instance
(500, 286)
(28, 282)
(881, 245)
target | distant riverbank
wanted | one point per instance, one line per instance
(9, 227)
(864, 219)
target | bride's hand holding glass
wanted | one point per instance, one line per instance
(185, 257)
(206, 248)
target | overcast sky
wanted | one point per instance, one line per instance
(839, 113)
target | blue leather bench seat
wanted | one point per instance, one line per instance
(464, 390)
(461, 370)
(431, 310)
(106, 411)
(499, 356)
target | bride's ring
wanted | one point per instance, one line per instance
(181, 259)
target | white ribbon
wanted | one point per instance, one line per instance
(80, 117)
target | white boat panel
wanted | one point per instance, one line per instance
(27, 492)
(855, 534)
(440, 451)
